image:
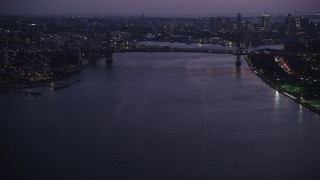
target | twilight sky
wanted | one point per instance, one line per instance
(156, 6)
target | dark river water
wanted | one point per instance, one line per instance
(159, 116)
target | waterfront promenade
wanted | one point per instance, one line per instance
(311, 104)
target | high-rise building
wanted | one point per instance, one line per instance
(172, 26)
(143, 20)
(290, 25)
(298, 24)
(211, 25)
(239, 23)
(227, 25)
(216, 24)
(6, 58)
(265, 23)
(249, 26)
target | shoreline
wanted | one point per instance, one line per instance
(41, 83)
(270, 84)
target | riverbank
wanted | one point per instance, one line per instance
(274, 85)
(25, 84)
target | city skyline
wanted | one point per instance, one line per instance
(164, 7)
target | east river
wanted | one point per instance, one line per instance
(159, 116)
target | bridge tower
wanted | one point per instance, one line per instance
(238, 54)
(239, 49)
(109, 52)
(238, 39)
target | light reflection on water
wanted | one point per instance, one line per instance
(277, 99)
(300, 116)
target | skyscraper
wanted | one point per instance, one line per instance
(265, 23)
(290, 25)
(143, 20)
(216, 24)
(239, 23)
(227, 24)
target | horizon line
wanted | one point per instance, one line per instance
(159, 14)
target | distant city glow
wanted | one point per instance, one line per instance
(157, 7)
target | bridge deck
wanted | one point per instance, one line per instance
(190, 50)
